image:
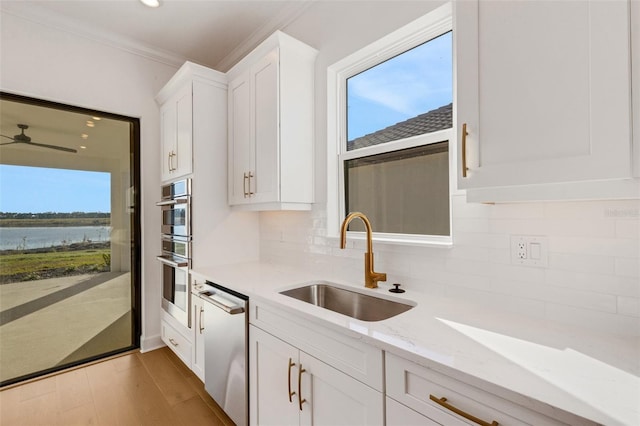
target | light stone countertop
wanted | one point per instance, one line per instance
(593, 375)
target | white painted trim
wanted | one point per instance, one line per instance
(417, 32)
(151, 343)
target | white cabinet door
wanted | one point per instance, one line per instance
(168, 139)
(544, 91)
(240, 143)
(184, 132)
(197, 353)
(334, 398)
(254, 134)
(177, 134)
(273, 368)
(266, 135)
(271, 126)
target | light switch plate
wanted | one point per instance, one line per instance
(529, 250)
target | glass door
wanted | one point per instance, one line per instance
(69, 236)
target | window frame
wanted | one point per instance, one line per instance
(428, 27)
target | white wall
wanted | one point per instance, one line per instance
(593, 277)
(48, 63)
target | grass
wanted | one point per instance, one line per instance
(35, 266)
(80, 221)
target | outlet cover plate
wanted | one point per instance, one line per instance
(528, 250)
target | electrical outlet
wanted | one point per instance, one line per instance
(529, 250)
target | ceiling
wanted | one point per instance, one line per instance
(213, 33)
(100, 141)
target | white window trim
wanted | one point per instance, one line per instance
(429, 26)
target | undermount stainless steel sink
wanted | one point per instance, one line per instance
(351, 303)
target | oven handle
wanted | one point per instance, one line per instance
(219, 303)
(173, 202)
(172, 262)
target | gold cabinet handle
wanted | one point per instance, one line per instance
(173, 342)
(200, 320)
(291, 364)
(301, 400)
(169, 161)
(244, 184)
(464, 150)
(171, 155)
(250, 176)
(443, 402)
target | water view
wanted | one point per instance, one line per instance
(25, 238)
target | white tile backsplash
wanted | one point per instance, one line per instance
(593, 276)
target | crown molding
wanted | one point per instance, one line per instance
(41, 16)
(289, 14)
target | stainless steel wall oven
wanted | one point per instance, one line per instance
(176, 249)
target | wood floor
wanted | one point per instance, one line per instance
(154, 388)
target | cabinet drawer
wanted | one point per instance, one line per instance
(177, 343)
(413, 385)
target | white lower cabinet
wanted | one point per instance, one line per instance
(417, 388)
(290, 387)
(175, 340)
(197, 353)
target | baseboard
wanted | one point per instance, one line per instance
(150, 343)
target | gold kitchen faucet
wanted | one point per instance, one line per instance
(371, 277)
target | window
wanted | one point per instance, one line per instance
(393, 123)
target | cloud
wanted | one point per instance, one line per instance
(412, 83)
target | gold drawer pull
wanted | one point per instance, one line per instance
(291, 364)
(443, 401)
(173, 342)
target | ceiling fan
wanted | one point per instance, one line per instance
(22, 138)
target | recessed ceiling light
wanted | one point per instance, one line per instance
(83, 147)
(97, 118)
(151, 3)
(90, 123)
(84, 136)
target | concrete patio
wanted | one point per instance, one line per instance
(52, 322)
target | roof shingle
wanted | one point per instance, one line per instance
(431, 121)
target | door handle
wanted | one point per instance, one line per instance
(464, 150)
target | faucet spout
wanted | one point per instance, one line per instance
(371, 277)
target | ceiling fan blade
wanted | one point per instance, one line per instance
(9, 143)
(59, 148)
(8, 137)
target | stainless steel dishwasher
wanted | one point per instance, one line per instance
(226, 333)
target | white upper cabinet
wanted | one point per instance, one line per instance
(178, 115)
(177, 140)
(271, 126)
(544, 92)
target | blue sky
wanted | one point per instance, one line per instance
(407, 85)
(38, 190)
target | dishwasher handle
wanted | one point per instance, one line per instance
(221, 303)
